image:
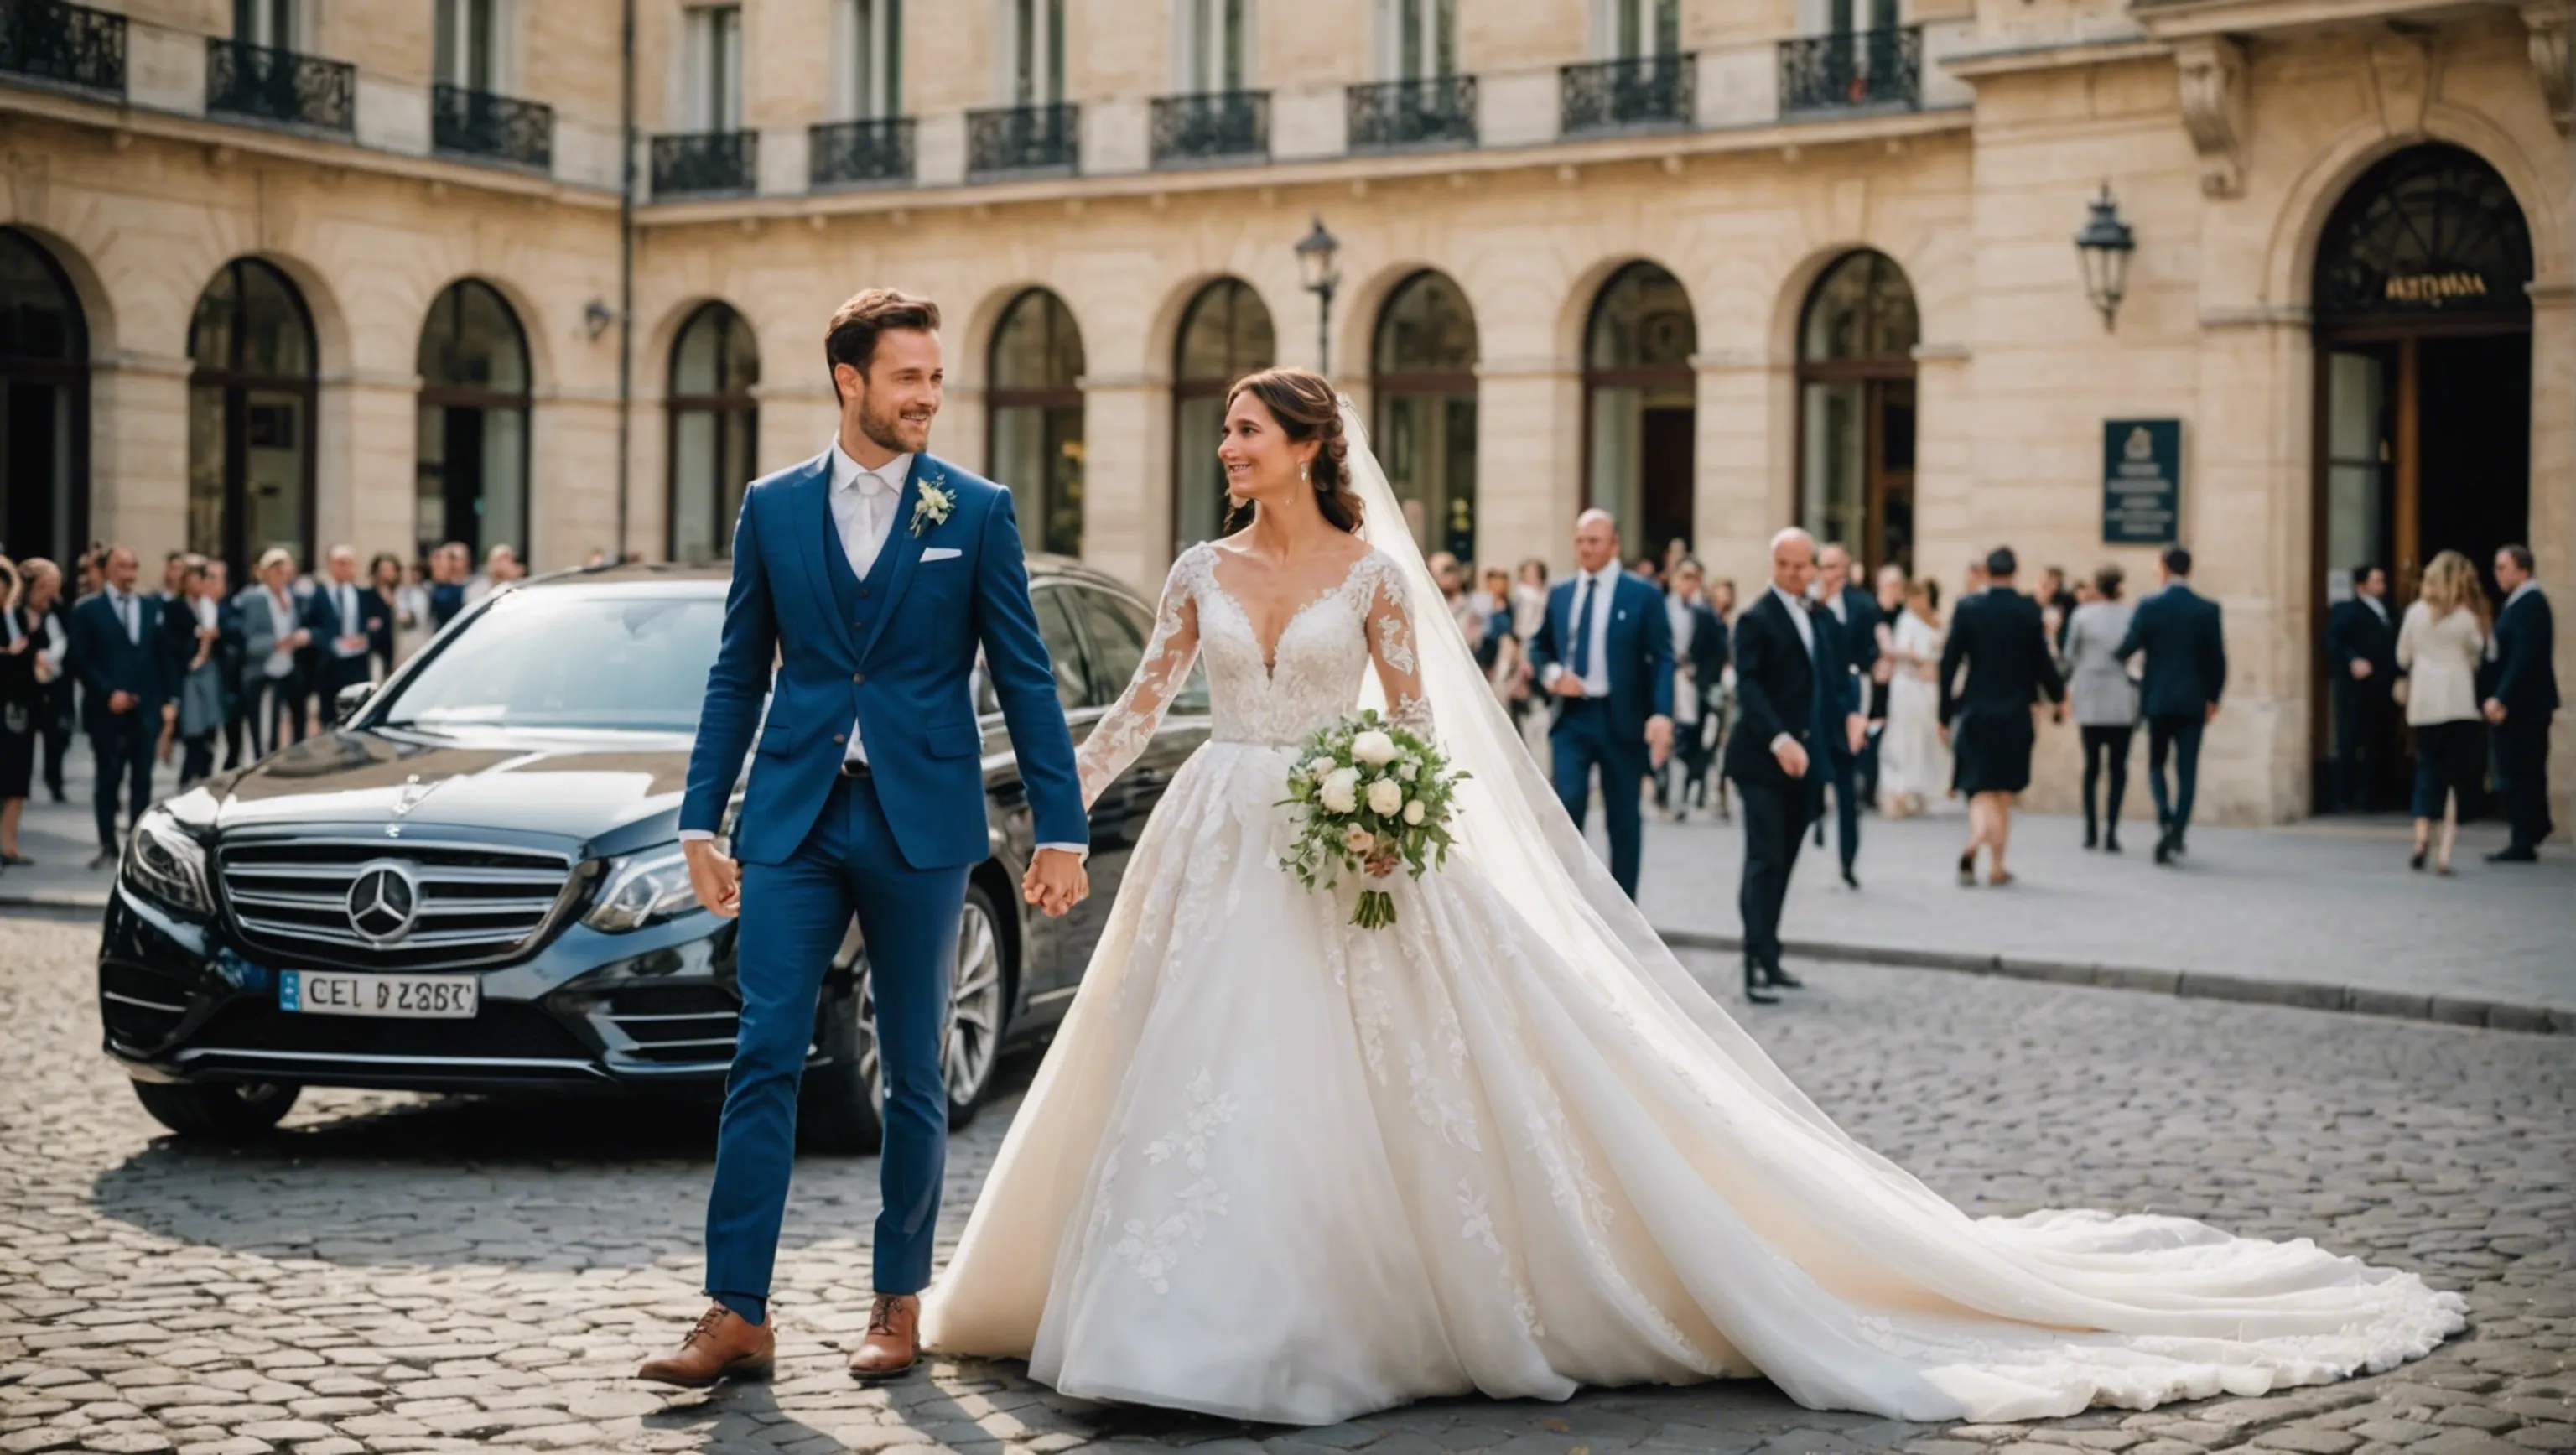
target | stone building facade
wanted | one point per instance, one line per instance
(380, 271)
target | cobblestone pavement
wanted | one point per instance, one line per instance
(391, 1273)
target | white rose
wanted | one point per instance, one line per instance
(1373, 748)
(1340, 791)
(1316, 768)
(1413, 812)
(1385, 796)
(1408, 770)
(1359, 841)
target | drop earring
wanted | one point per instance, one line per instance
(1305, 475)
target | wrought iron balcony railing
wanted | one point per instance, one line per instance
(1638, 93)
(500, 128)
(1023, 139)
(1435, 111)
(1211, 126)
(701, 163)
(855, 153)
(1855, 70)
(69, 45)
(262, 83)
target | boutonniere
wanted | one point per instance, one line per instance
(931, 503)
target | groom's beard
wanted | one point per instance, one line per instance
(885, 430)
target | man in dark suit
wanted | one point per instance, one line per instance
(2522, 694)
(447, 571)
(1604, 652)
(1851, 615)
(1786, 702)
(2000, 638)
(342, 615)
(125, 692)
(2186, 670)
(1699, 658)
(2361, 642)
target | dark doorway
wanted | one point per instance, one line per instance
(44, 406)
(1668, 474)
(2473, 454)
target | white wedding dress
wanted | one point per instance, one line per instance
(1280, 1168)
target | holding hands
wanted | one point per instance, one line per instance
(1056, 882)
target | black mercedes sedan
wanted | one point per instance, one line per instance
(474, 882)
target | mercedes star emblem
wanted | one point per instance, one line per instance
(383, 901)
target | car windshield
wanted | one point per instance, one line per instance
(568, 660)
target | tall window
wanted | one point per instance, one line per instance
(250, 417)
(272, 23)
(1034, 408)
(1035, 48)
(1630, 29)
(1424, 364)
(44, 405)
(1856, 409)
(1640, 392)
(868, 79)
(715, 425)
(1845, 16)
(1225, 335)
(1209, 43)
(713, 57)
(473, 473)
(1417, 39)
(467, 47)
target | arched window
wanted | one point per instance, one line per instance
(473, 474)
(44, 405)
(715, 428)
(1423, 373)
(1856, 409)
(250, 417)
(1224, 336)
(1640, 394)
(1034, 413)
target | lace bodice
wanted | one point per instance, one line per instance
(1311, 682)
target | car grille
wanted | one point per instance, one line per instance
(504, 1032)
(674, 1024)
(475, 903)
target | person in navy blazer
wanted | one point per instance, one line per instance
(1604, 651)
(2522, 696)
(869, 575)
(118, 652)
(343, 614)
(1851, 615)
(2186, 672)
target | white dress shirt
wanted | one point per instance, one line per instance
(2379, 609)
(863, 509)
(128, 614)
(281, 625)
(1806, 637)
(1605, 590)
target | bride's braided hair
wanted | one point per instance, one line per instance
(1306, 408)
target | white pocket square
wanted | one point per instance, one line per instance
(940, 553)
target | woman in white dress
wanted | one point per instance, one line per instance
(1280, 1168)
(1913, 766)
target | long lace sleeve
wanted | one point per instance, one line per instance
(1129, 725)
(1391, 647)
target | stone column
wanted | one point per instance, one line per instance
(1127, 480)
(367, 463)
(1745, 462)
(2553, 510)
(1529, 461)
(138, 455)
(572, 484)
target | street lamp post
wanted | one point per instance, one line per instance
(1316, 252)
(2102, 247)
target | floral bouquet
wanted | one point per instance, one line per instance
(1373, 796)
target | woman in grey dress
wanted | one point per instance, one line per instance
(2105, 699)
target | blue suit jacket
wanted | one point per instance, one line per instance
(901, 666)
(2523, 676)
(2186, 667)
(1640, 643)
(107, 661)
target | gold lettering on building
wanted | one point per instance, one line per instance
(2434, 287)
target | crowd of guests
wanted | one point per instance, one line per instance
(166, 677)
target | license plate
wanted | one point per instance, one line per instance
(402, 997)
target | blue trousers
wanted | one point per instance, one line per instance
(1844, 775)
(1581, 741)
(793, 917)
(2179, 736)
(122, 755)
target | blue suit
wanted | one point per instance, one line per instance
(895, 653)
(1608, 732)
(2186, 672)
(108, 660)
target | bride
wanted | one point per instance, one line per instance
(1283, 1169)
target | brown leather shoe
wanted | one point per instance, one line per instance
(893, 1341)
(721, 1345)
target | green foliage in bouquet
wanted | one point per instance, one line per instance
(1369, 793)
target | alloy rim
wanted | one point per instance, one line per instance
(975, 1012)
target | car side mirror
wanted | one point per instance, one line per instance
(346, 701)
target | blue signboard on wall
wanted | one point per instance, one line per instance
(2141, 482)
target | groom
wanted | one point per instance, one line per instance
(870, 574)
(1604, 650)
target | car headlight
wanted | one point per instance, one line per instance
(643, 889)
(165, 865)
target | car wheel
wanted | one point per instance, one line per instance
(218, 1112)
(845, 1100)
